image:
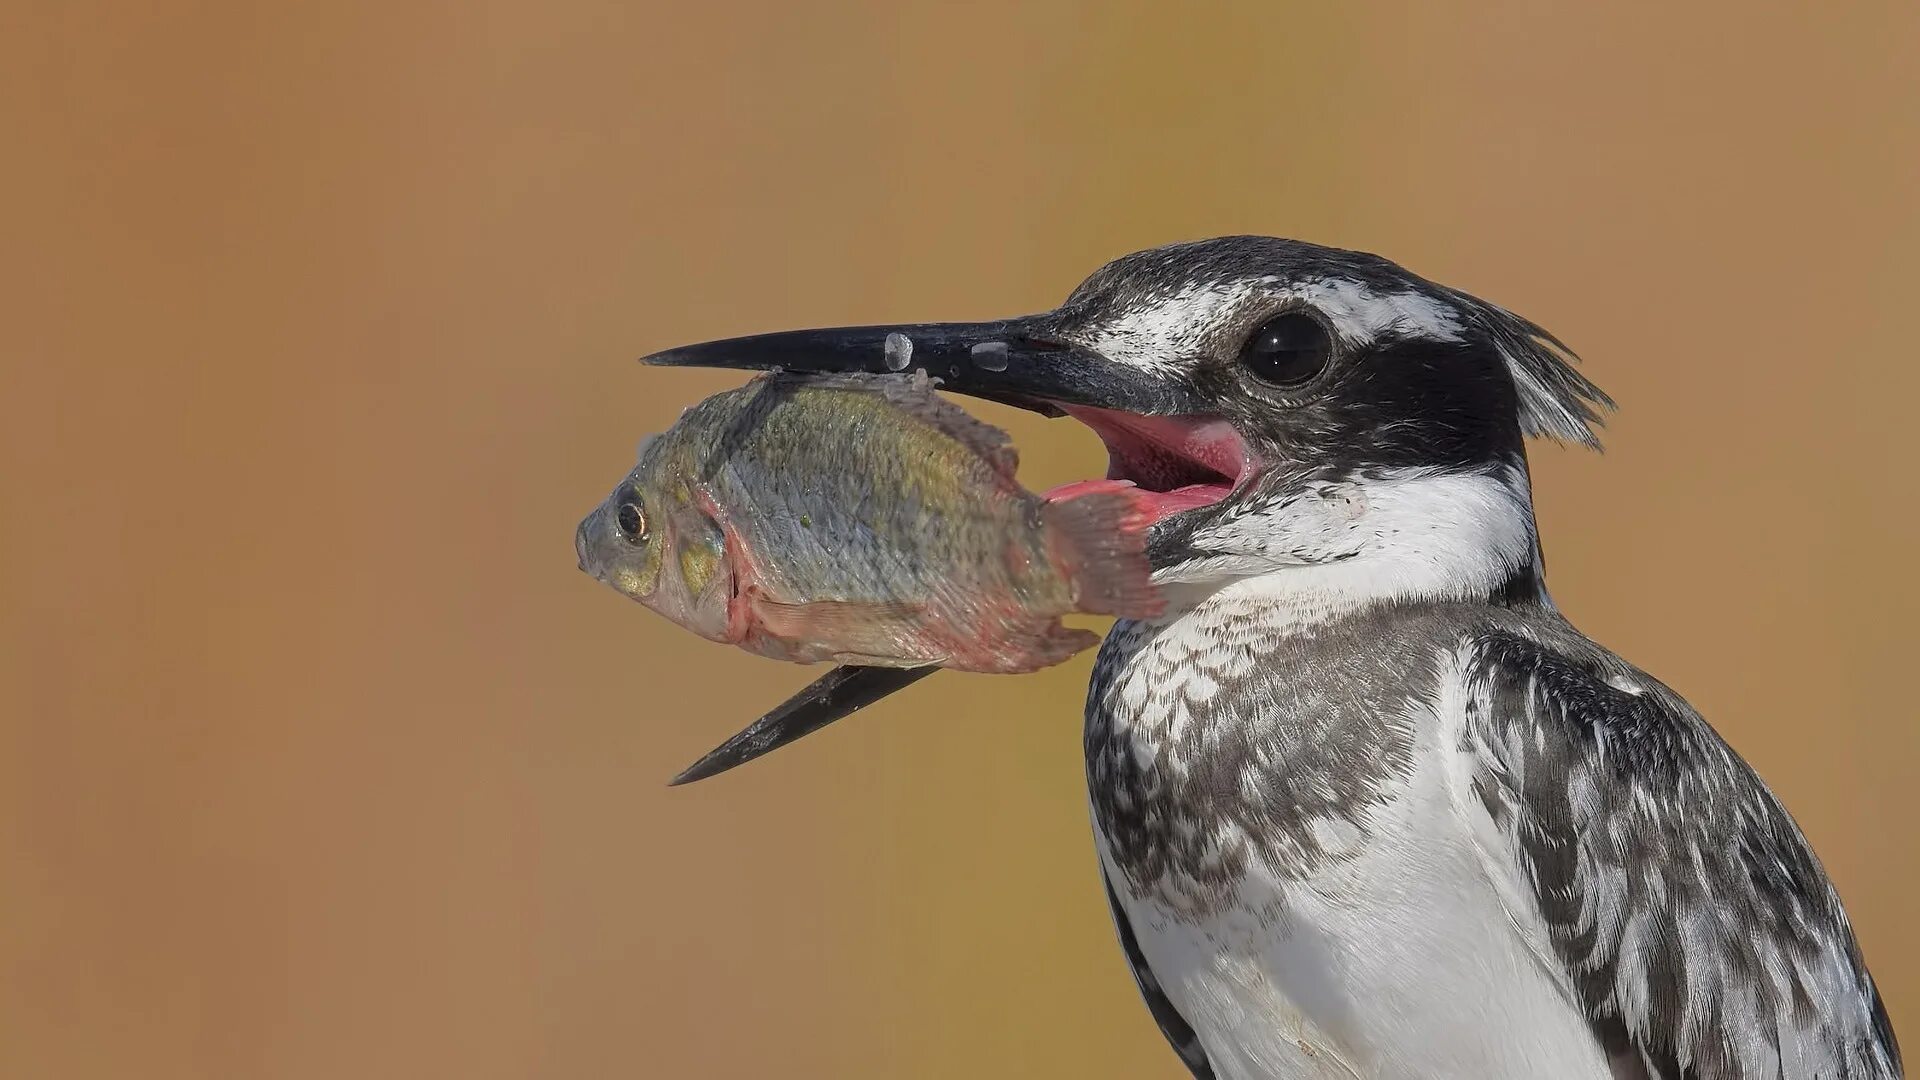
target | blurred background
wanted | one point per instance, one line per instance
(319, 758)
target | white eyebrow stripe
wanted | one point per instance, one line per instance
(1362, 315)
(1156, 334)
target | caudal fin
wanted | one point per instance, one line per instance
(1099, 538)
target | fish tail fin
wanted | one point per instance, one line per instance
(1100, 542)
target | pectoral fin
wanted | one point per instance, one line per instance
(874, 633)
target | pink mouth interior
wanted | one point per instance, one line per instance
(1182, 463)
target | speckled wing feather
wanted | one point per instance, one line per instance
(1694, 924)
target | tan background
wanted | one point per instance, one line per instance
(318, 757)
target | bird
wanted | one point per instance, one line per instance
(1366, 803)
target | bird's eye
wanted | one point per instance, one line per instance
(632, 521)
(1287, 350)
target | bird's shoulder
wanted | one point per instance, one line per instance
(1691, 919)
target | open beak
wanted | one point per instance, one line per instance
(1013, 361)
(1154, 424)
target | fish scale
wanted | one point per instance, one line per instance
(864, 519)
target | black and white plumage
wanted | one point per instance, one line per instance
(1365, 803)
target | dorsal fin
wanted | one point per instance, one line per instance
(914, 395)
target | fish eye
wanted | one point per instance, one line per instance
(632, 522)
(1287, 350)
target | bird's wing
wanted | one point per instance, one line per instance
(1172, 1024)
(1691, 920)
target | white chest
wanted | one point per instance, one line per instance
(1368, 940)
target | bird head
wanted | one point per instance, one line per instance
(1323, 421)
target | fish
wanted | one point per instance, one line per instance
(865, 520)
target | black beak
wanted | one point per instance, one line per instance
(1019, 362)
(1022, 362)
(839, 693)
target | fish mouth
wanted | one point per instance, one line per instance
(1180, 463)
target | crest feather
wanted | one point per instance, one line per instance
(1556, 401)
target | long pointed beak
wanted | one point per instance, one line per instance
(839, 693)
(1013, 361)
(1021, 362)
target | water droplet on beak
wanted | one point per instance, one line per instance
(899, 351)
(990, 355)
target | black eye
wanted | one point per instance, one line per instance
(632, 522)
(1287, 350)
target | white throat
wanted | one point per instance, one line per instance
(1410, 535)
